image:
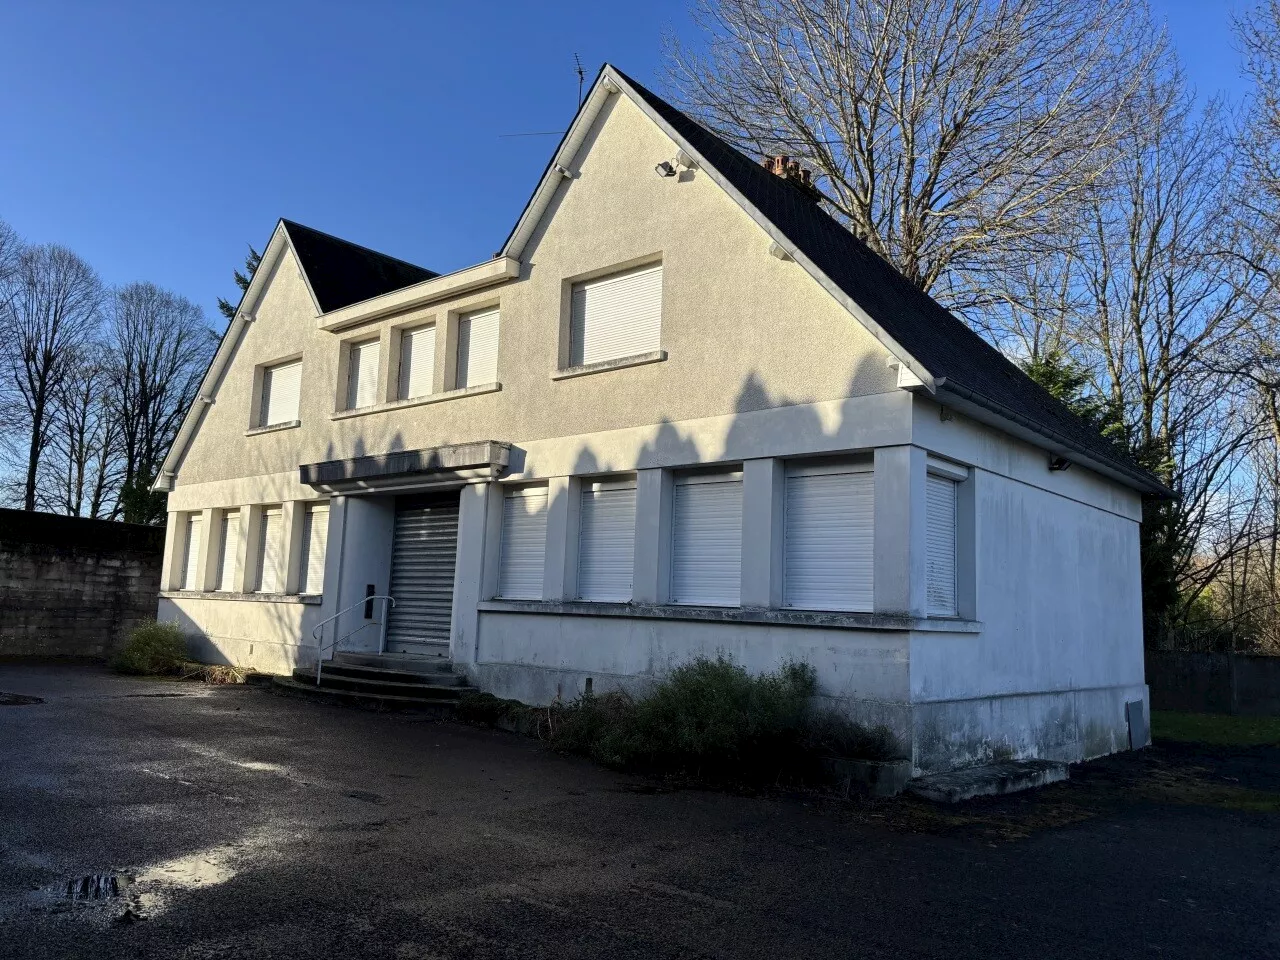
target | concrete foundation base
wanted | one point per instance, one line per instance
(995, 779)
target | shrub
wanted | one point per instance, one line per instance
(153, 648)
(832, 734)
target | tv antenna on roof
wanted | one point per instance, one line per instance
(577, 66)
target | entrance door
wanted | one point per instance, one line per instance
(422, 561)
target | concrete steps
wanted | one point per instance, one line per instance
(989, 780)
(382, 682)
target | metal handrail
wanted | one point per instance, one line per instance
(382, 638)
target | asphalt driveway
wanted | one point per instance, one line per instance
(155, 819)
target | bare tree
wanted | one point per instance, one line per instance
(956, 138)
(53, 310)
(83, 464)
(160, 349)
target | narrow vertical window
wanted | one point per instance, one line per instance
(362, 375)
(616, 316)
(417, 362)
(477, 349)
(270, 550)
(828, 559)
(315, 537)
(281, 387)
(606, 540)
(524, 543)
(940, 524)
(228, 550)
(191, 555)
(706, 539)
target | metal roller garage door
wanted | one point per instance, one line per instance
(422, 562)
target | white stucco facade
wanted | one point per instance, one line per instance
(760, 371)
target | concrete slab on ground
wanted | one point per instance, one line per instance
(988, 780)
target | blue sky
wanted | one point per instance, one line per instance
(157, 140)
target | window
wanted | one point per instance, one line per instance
(940, 525)
(828, 554)
(270, 550)
(477, 349)
(706, 539)
(616, 316)
(315, 536)
(191, 555)
(228, 550)
(524, 543)
(417, 362)
(606, 540)
(280, 388)
(362, 375)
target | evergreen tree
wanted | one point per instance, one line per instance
(242, 281)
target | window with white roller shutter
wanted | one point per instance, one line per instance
(315, 537)
(706, 539)
(940, 552)
(606, 540)
(477, 349)
(524, 543)
(191, 555)
(228, 550)
(270, 551)
(281, 387)
(417, 362)
(362, 375)
(616, 316)
(829, 544)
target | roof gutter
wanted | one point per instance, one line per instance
(1135, 477)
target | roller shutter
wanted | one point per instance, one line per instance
(422, 564)
(606, 540)
(417, 362)
(281, 387)
(315, 537)
(191, 558)
(270, 550)
(362, 375)
(706, 540)
(616, 316)
(478, 349)
(228, 550)
(828, 557)
(941, 545)
(524, 542)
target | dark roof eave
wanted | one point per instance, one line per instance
(1137, 478)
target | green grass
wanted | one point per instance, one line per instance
(1215, 728)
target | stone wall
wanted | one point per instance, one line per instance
(72, 587)
(1236, 683)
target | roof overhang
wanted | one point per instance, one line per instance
(984, 410)
(407, 470)
(495, 271)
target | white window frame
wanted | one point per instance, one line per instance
(269, 387)
(193, 541)
(228, 550)
(940, 471)
(689, 556)
(622, 326)
(276, 562)
(310, 529)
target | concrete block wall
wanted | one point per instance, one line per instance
(73, 587)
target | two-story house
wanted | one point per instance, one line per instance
(682, 412)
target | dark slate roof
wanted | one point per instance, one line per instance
(940, 341)
(342, 273)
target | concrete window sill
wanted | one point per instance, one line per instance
(287, 425)
(308, 598)
(618, 363)
(418, 401)
(791, 618)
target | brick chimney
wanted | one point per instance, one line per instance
(791, 171)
